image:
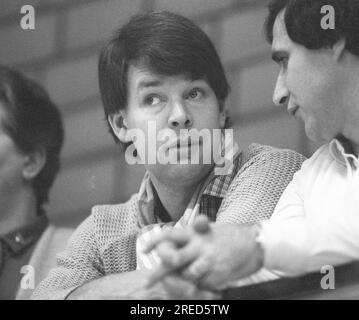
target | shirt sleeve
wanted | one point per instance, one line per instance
(79, 263)
(296, 242)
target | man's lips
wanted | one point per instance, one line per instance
(292, 111)
(186, 143)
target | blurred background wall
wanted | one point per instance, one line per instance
(62, 52)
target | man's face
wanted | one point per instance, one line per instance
(176, 103)
(309, 83)
(11, 164)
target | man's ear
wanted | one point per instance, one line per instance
(34, 163)
(338, 49)
(119, 126)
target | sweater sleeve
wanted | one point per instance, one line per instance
(258, 185)
(79, 263)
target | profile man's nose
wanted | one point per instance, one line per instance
(180, 117)
(281, 92)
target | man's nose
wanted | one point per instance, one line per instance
(180, 117)
(281, 92)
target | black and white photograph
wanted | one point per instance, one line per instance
(179, 150)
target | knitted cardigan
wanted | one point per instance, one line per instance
(105, 242)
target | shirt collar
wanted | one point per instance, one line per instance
(341, 151)
(219, 185)
(21, 238)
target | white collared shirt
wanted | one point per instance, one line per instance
(316, 221)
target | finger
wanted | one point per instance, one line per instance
(156, 240)
(168, 252)
(174, 261)
(179, 237)
(202, 224)
(182, 257)
(157, 275)
(208, 295)
(179, 288)
(197, 270)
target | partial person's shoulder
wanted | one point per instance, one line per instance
(264, 173)
(320, 158)
(113, 214)
(258, 153)
(260, 163)
(108, 222)
(323, 152)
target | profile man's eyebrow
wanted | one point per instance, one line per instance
(146, 84)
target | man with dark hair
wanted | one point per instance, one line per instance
(316, 221)
(161, 71)
(31, 136)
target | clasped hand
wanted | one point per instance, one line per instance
(208, 255)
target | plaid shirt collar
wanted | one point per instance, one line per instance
(219, 184)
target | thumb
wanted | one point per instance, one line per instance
(201, 225)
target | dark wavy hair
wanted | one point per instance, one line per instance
(303, 22)
(32, 121)
(167, 44)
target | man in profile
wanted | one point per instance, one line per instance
(31, 137)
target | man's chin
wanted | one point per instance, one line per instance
(181, 172)
(315, 137)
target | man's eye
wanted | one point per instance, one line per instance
(195, 93)
(152, 100)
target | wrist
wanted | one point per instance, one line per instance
(249, 253)
(259, 249)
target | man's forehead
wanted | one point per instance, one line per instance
(140, 71)
(280, 35)
(142, 77)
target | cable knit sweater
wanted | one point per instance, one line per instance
(105, 242)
